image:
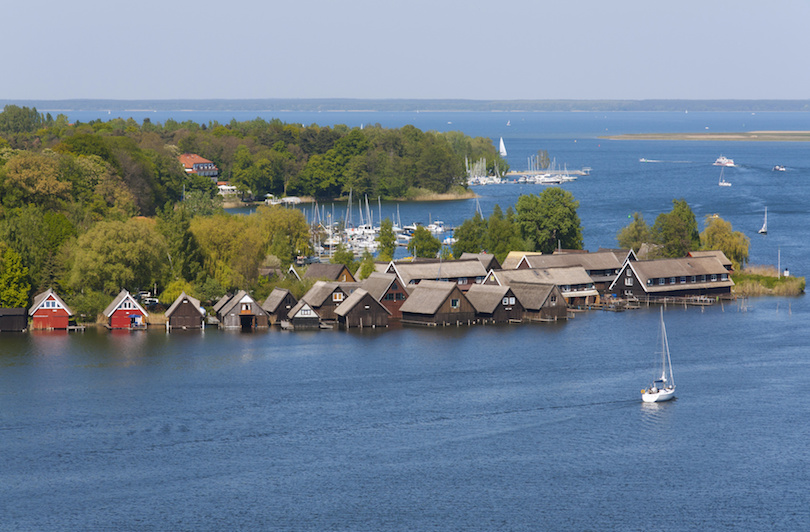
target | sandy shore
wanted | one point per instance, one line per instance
(763, 136)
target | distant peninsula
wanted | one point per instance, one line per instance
(762, 136)
(414, 105)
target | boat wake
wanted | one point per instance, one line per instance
(643, 160)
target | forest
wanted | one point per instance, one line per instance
(91, 208)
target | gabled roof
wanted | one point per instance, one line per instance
(485, 298)
(240, 297)
(301, 305)
(122, 296)
(488, 260)
(532, 296)
(322, 290)
(324, 270)
(718, 254)
(39, 299)
(353, 300)
(428, 296)
(275, 299)
(221, 303)
(600, 260)
(377, 284)
(513, 259)
(570, 276)
(452, 269)
(681, 267)
(177, 302)
(190, 159)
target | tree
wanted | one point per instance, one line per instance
(16, 119)
(502, 234)
(387, 240)
(346, 257)
(367, 266)
(635, 233)
(677, 231)
(424, 244)
(34, 178)
(113, 255)
(549, 220)
(185, 257)
(718, 235)
(14, 285)
(470, 235)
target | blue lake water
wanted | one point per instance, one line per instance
(521, 427)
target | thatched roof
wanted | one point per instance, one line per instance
(183, 296)
(486, 297)
(275, 299)
(377, 284)
(427, 297)
(532, 296)
(353, 300)
(451, 269)
(321, 291)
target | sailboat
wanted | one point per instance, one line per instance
(662, 388)
(502, 148)
(723, 182)
(764, 230)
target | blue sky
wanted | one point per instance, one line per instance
(499, 49)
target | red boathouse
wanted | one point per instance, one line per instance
(125, 313)
(49, 311)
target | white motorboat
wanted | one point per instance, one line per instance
(724, 161)
(662, 388)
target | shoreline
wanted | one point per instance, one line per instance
(760, 136)
(446, 196)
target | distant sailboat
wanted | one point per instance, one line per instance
(723, 182)
(764, 230)
(503, 148)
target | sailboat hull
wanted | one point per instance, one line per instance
(658, 397)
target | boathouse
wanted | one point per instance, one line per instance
(125, 313)
(324, 297)
(241, 312)
(576, 285)
(388, 290)
(48, 311)
(437, 303)
(361, 310)
(464, 273)
(495, 304)
(303, 316)
(541, 302)
(602, 266)
(185, 313)
(14, 319)
(278, 305)
(673, 278)
(329, 272)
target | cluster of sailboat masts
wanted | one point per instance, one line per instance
(477, 174)
(359, 234)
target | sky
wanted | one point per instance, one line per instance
(414, 49)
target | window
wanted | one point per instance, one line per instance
(245, 307)
(683, 280)
(306, 312)
(553, 299)
(694, 278)
(462, 280)
(505, 301)
(454, 303)
(389, 297)
(714, 277)
(337, 296)
(628, 281)
(394, 286)
(400, 297)
(629, 273)
(724, 277)
(649, 282)
(662, 281)
(702, 278)
(511, 300)
(671, 280)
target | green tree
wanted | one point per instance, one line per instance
(502, 234)
(549, 220)
(470, 236)
(387, 240)
(346, 257)
(16, 119)
(113, 255)
(719, 235)
(635, 233)
(677, 230)
(14, 285)
(34, 178)
(183, 252)
(367, 266)
(424, 244)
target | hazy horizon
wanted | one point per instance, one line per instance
(475, 50)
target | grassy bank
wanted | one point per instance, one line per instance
(766, 281)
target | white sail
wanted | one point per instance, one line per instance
(662, 388)
(502, 148)
(764, 230)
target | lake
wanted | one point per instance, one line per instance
(519, 427)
